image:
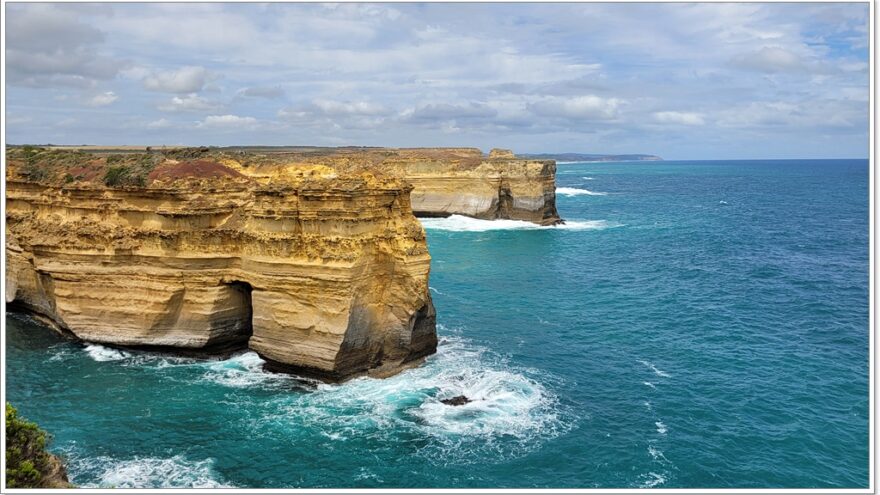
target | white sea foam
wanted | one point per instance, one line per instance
(101, 353)
(238, 371)
(460, 223)
(661, 428)
(510, 413)
(241, 371)
(657, 371)
(61, 352)
(574, 191)
(143, 472)
(657, 454)
(587, 178)
(649, 384)
(652, 479)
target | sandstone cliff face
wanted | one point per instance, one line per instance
(322, 273)
(446, 181)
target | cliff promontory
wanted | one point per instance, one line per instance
(445, 181)
(322, 271)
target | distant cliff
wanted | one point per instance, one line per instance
(446, 181)
(322, 272)
(586, 157)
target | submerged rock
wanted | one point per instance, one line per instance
(458, 400)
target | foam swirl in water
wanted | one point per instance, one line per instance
(510, 412)
(143, 472)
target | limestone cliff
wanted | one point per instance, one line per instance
(323, 272)
(446, 181)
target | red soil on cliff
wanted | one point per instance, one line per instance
(200, 169)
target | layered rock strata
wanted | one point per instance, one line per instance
(322, 273)
(453, 181)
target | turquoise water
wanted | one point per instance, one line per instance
(695, 324)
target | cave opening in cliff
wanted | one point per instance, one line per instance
(246, 314)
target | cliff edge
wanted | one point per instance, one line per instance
(452, 181)
(324, 273)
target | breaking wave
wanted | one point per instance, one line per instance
(460, 223)
(126, 357)
(511, 411)
(101, 353)
(241, 370)
(574, 191)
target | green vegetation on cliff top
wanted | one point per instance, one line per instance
(28, 464)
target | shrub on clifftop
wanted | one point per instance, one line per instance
(28, 465)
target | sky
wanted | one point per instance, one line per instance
(683, 81)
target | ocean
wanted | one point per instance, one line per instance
(694, 324)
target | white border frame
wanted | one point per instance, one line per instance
(871, 290)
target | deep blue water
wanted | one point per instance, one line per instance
(697, 324)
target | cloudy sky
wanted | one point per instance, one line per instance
(684, 81)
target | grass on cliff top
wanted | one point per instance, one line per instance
(28, 464)
(57, 167)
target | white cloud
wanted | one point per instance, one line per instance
(682, 118)
(770, 59)
(189, 103)
(268, 92)
(47, 47)
(189, 79)
(159, 124)
(227, 121)
(435, 112)
(331, 107)
(790, 116)
(589, 107)
(103, 99)
(528, 76)
(336, 115)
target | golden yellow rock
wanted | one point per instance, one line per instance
(322, 273)
(446, 181)
(501, 153)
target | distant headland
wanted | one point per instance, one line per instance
(588, 157)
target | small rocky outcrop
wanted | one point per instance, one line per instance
(458, 400)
